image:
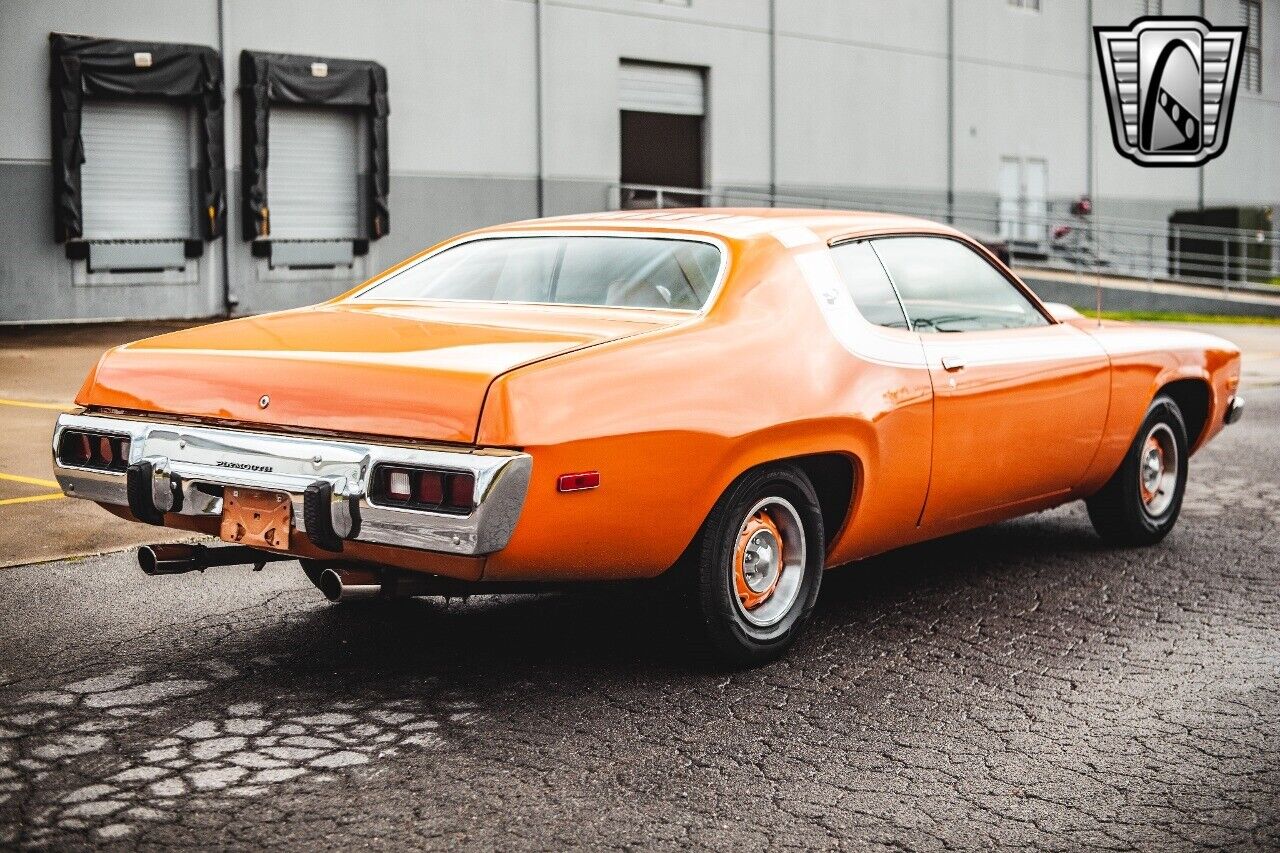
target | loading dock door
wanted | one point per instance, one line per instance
(313, 173)
(135, 182)
(662, 117)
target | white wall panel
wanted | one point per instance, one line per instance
(582, 50)
(24, 52)
(460, 73)
(1040, 115)
(913, 26)
(849, 116)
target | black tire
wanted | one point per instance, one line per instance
(721, 615)
(1120, 513)
(313, 569)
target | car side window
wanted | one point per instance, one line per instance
(945, 286)
(868, 284)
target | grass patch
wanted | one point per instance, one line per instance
(1182, 317)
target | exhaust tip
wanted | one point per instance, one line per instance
(171, 559)
(147, 560)
(331, 585)
(349, 584)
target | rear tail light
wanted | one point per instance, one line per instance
(420, 488)
(94, 450)
(398, 485)
(431, 487)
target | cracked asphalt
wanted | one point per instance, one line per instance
(1021, 686)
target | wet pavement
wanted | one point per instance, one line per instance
(1020, 686)
(41, 369)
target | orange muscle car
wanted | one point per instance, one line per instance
(742, 397)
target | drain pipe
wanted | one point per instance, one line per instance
(228, 300)
(951, 111)
(773, 103)
(537, 100)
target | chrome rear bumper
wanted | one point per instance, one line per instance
(327, 480)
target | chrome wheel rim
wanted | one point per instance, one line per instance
(768, 562)
(1158, 467)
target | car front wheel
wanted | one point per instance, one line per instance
(1139, 505)
(760, 564)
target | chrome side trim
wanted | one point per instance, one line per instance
(193, 457)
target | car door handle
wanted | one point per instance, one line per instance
(952, 363)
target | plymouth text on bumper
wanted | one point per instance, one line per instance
(156, 467)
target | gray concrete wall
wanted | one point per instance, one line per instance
(862, 113)
(38, 283)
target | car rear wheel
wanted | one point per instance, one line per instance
(759, 564)
(1140, 504)
(313, 569)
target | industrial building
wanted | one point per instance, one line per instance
(196, 158)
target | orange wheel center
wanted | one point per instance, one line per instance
(1151, 469)
(757, 560)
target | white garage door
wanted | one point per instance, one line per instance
(671, 89)
(135, 182)
(312, 173)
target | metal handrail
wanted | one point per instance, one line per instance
(1227, 258)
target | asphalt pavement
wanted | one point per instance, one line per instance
(41, 369)
(1021, 686)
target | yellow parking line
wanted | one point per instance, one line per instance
(57, 407)
(32, 499)
(30, 481)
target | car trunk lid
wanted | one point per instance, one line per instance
(416, 371)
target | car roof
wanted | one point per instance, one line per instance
(740, 223)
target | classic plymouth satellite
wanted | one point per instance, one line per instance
(735, 399)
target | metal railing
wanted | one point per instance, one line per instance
(1225, 258)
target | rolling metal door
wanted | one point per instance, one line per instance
(312, 173)
(670, 89)
(136, 178)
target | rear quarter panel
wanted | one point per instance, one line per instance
(670, 418)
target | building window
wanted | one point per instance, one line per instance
(1029, 5)
(1153, 8)
(1251, 61)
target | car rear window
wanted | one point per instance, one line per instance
(632, 272)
